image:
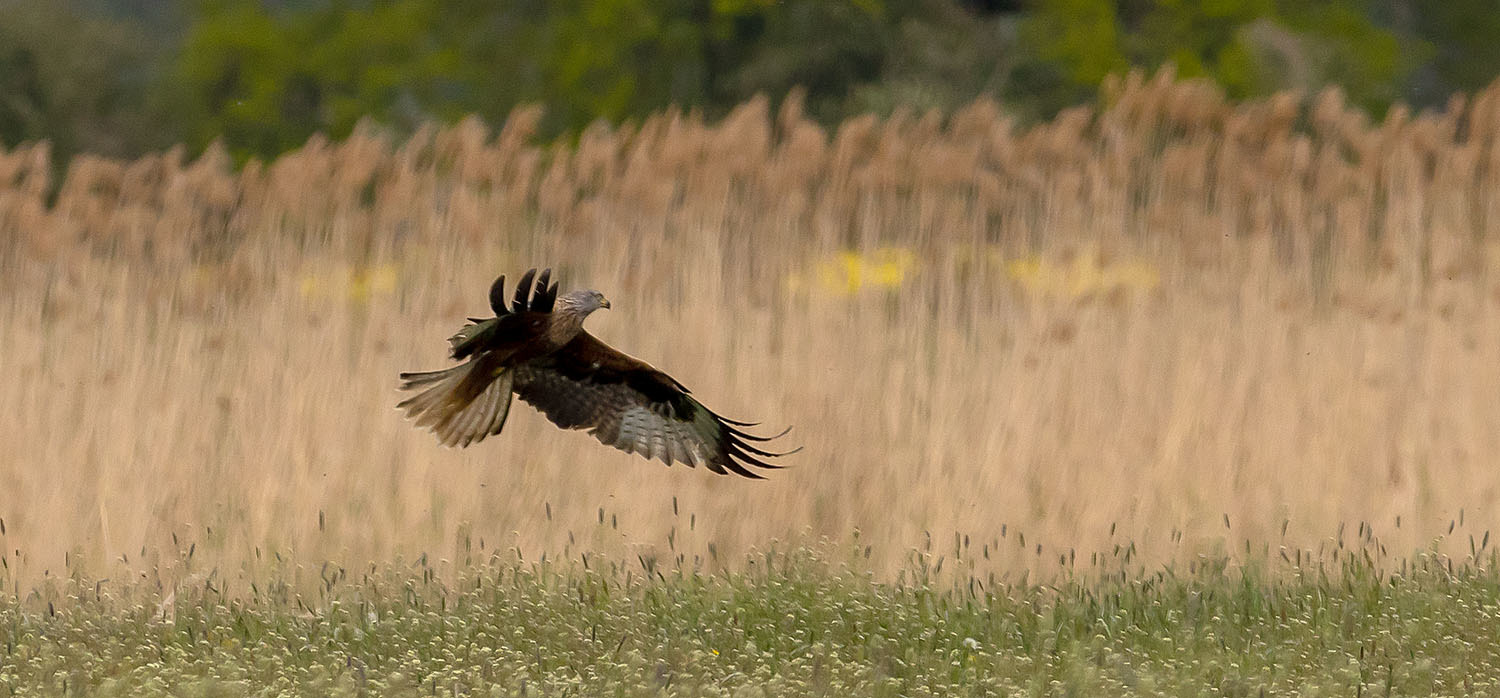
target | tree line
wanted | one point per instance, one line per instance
(122, 77)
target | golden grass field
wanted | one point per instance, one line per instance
(1154, 317)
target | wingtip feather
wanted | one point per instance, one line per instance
(497, 297)
(752, 437)
(521, 302)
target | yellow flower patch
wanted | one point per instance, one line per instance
(357, 284)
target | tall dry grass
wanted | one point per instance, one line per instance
(202, 359)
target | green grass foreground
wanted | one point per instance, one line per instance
(796, 623)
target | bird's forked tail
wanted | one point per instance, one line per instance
(462, 404)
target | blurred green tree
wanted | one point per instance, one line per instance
(1251, 47)
(1465, 40)
(123, 76)
(264, 81)
(81, 81)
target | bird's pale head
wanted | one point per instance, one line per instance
(582, 302)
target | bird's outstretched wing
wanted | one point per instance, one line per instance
(626, 403)
(481, 333)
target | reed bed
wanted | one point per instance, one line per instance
(1170, 319)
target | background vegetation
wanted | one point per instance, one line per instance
(1153, 315)
(124, 78)
(1108, 398)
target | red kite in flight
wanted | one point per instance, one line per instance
(537, 348)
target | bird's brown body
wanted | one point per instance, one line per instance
(539, 349)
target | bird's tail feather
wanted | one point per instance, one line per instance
(462, 404)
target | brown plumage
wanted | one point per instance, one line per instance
(538, 349)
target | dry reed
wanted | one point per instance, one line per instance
(199, 358)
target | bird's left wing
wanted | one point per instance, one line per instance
(626, 403)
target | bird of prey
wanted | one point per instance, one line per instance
(538, 349)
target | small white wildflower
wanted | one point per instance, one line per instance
(971, 644)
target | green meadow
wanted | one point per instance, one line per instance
(805, 621)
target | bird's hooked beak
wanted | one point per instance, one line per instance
(604, 302)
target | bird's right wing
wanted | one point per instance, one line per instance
(627, 404)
